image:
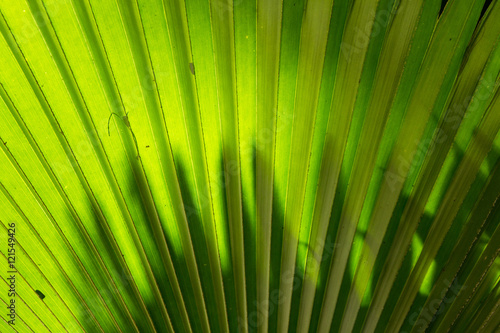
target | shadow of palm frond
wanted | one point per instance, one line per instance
(192, 202)
(152, 252)
(250, 239)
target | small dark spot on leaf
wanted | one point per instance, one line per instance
(191, 67)
(40, 294)
(147, 146)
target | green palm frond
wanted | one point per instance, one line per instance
(250, 166)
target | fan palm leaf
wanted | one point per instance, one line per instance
(250, 166)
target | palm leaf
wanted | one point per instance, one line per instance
(253, 166)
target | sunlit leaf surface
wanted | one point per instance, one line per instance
(250, 166)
